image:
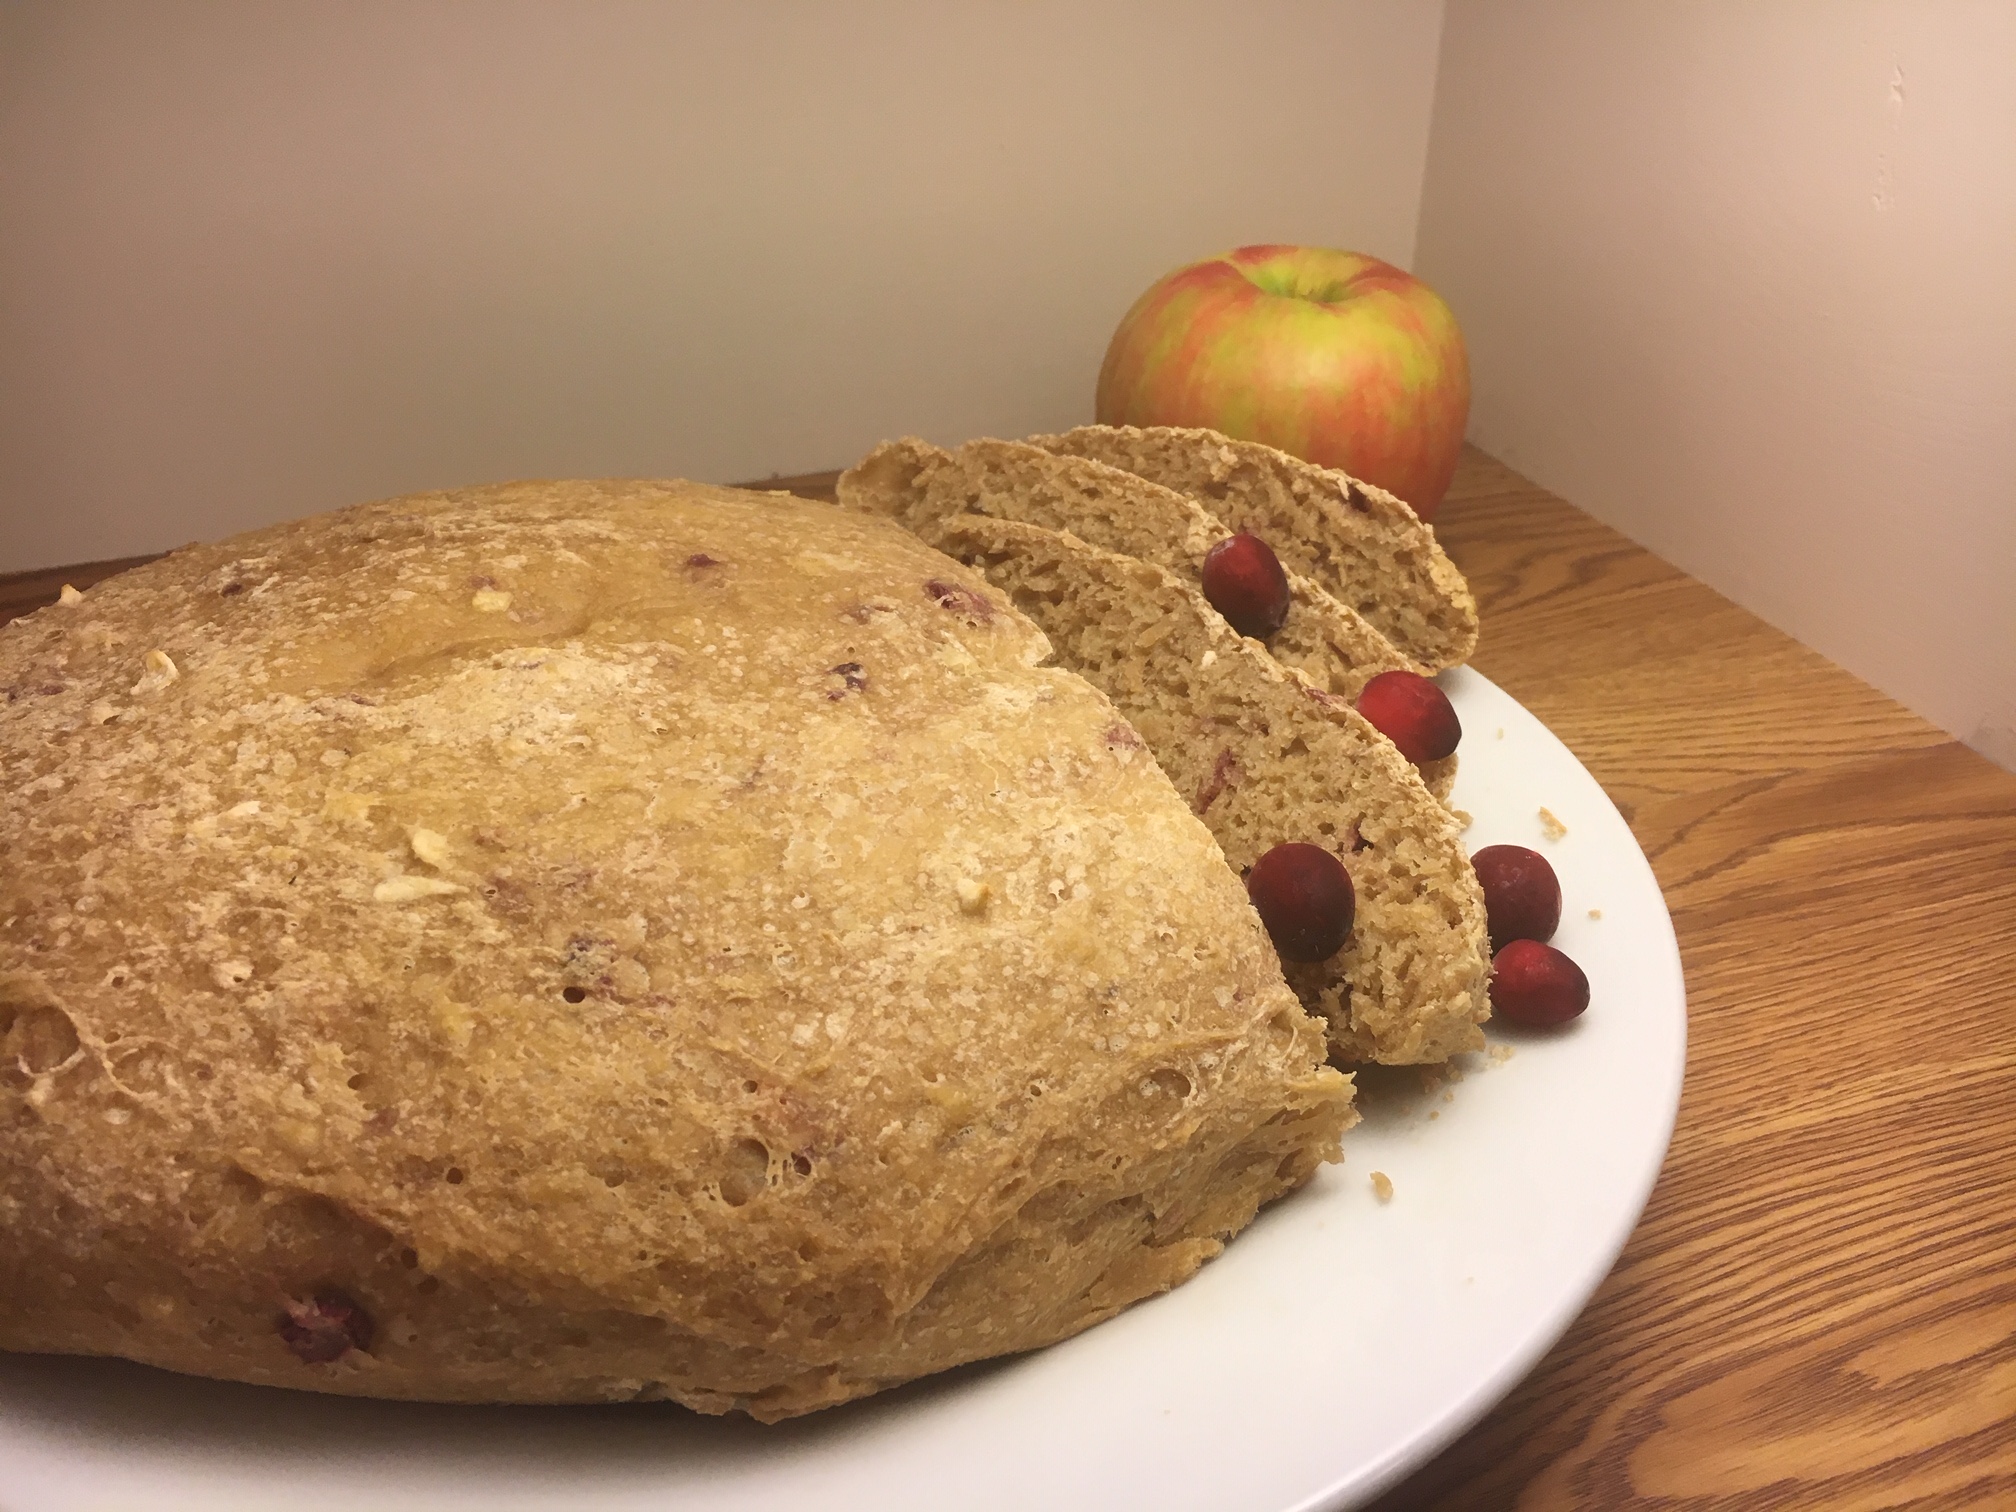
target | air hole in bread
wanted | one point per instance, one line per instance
(1168, 1082)
(356, 1083)
(39, 1038)
(1282, 1027)
(243, 1185)
(750, 1086)
(747, 1171)
(454, 1176)
(1050, 1204)
(1108, 1217)
(574, 994)
(802, 1163)
(410, 1258)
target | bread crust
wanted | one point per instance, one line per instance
(605, 941)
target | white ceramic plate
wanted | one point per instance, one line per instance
(1335, 1346)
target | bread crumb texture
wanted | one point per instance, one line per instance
(1266, 756)
(1115, 510)
(1367, 547)
(922, 487)
(590, 942)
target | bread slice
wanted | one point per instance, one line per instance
(918, 484)
(572, 942)
(1265, 757)
(1107, 507)
(1363, 544)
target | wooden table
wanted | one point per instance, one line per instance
(1819, 1307)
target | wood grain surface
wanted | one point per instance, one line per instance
(1819, 1307)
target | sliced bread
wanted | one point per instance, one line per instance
(918, 484)
(1265, 757)
(1368, 548)
(1115, 510)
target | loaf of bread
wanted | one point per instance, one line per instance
(1266, 757)
(591, 942)
(1364, 545)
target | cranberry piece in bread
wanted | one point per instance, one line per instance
(1305, 899)
(1413, 713)
(1244, 582)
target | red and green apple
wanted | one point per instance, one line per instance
(1334, 357)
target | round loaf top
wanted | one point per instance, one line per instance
(553, 916)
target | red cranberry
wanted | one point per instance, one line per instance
(1305, 899)
(1413, 713)
(958, 599)
(325, 1327)
(1244, 582)
(1522, 896)
(1536, 985)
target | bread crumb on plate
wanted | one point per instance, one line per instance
(1551, 827)
(1382, 1186)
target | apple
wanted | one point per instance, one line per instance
(1334, 357)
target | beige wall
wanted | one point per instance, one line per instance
(1740, 278)
(262, 258)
